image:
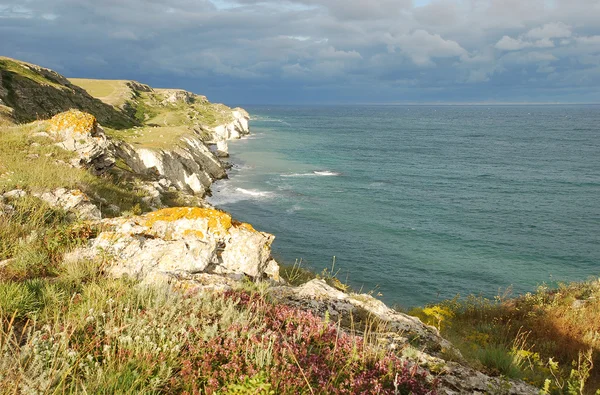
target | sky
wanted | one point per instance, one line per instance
(321, 51)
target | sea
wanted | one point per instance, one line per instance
(418, 204)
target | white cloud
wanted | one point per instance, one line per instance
(550, 30)
(421, 46)
(491, 45)
(512, 44)
(539, 37)
(588, 40)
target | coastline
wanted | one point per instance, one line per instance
(94, 219)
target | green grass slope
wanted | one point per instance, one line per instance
(35, 93)
(164, 115)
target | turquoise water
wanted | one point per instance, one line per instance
(422, 203)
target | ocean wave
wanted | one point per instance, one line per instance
(293, 209)
(252, 136)
(298, 175)
(321, 173)
(254, 192)
(267, 119)
(326, 173)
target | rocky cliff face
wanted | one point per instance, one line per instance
(190, 167)
(233, 130)
(29, 92)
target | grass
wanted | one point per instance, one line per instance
(19, 68)
(549, 338)
(79, 332)
(35, 164)
(164, 137)
(6, 118)
(163, 124)
(113, 92)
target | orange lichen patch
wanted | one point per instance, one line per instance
(216, 219)
(238, 224)
(77, 121)
(193, 233)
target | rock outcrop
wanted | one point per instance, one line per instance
(73, 201)
(321, 299)
(182, 241)
(80, 133)
(233, 130)
(406, 334)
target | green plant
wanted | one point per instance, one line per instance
(18, 299)
(251, 385)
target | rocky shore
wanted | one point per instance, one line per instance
(194, 248)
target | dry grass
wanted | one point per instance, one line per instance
(552, 334)
(35, 164)
(163, 137)
(113, 92)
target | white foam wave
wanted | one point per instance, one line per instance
(322, 173)
(267, 119)
(326, 173)
(298, 175)
(253, 136)
(254, 192)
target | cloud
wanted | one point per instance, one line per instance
(323, 50)
(550, 30)
(539, 37)
(512, 44)
(422, 46)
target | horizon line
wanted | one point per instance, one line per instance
(427, 104)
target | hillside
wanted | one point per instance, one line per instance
(164, 115)
(34, 92)
(116, 276)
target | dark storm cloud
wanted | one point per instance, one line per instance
(320, 50)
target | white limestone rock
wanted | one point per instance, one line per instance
(190, 167)
(182, 241)
(73, 201)
(79, 132)
(14, 194)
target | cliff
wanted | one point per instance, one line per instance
(124, 279)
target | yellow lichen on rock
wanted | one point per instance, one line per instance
(217, 220)
(193, 233)
(73, 120)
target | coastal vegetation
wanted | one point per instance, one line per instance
(550, 337)
(164, 116)
(68, 325)
(73, 330)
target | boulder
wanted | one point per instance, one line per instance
(182, 241)
(73, 201)
(79, 132)
(321, 298)
(14, 194)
